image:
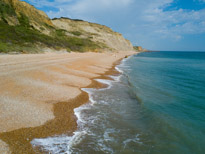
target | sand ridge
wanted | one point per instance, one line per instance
(32, 84)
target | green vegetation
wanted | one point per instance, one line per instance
(3, 47)
(74, 43)
(60, 33)
(24, 21)
(23, 37)
(6, 9)
(77, 33)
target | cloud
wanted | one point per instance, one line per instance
(176, 21)
(149, 20)
(89, 9)
(201, 1)
(151, 14)
(99, 5)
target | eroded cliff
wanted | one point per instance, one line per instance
(23, 28)
(98, 33)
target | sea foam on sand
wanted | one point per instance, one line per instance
(67, 144)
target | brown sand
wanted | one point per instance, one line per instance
(39, 92)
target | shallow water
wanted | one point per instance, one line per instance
(157, 105)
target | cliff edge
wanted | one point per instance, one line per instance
(98, 33)
(25, 29)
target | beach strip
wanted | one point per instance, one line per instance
(38, 93)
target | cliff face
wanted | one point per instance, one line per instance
(23, 26)
(38, 19)
(98, 33)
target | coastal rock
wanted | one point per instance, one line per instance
(38, 19)
(19, 17)
(98, 33)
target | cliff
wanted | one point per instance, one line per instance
(98, 33)
(25, 29)
(140, 49)
(13, 10)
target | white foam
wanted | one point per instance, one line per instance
(77, 112)
(107, 82)
(77, 138)
(66, 144)
(107, 133)
(90, 91)
(122, 64)
(116, 78)
(60, 144)
(118, 69)
(136, 139)
(104, 148)
(53, 144)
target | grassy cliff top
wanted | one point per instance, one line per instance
(24, 29)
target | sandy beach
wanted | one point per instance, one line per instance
(38, 93)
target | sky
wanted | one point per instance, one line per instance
(166, 25)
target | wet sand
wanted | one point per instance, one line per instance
(39, 92)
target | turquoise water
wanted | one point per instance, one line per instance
(157, 105)
(170, 87)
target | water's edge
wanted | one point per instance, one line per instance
(64, 142)
(155, 105)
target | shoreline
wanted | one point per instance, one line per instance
(19, 140)
(94, 85)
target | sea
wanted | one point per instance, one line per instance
(155, 106)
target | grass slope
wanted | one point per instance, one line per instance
(24, 38)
